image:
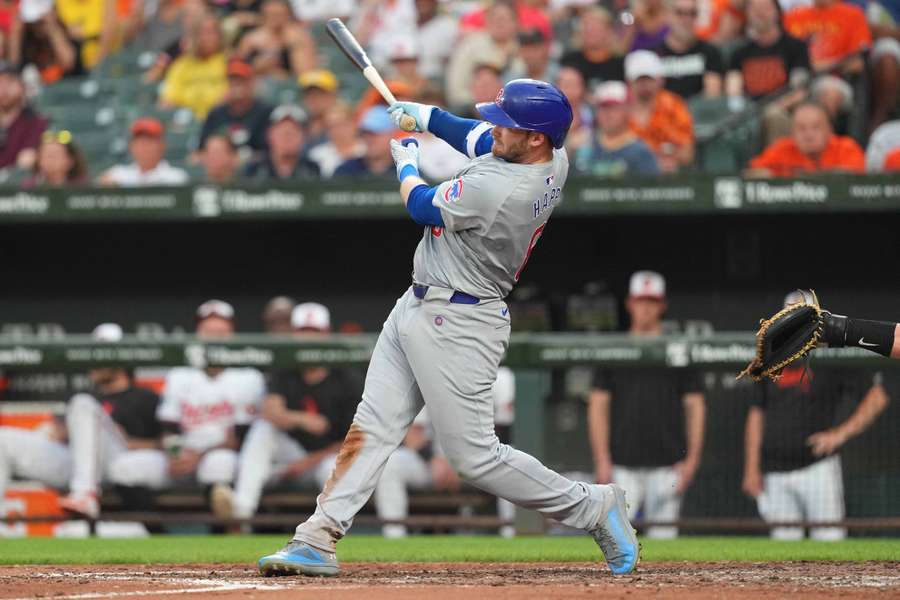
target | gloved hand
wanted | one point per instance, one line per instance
(420, 112)
(405, 154)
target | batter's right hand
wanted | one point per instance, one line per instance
(420, 112)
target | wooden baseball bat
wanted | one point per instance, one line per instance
(348, 44)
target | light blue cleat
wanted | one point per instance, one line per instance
(299, 558)
(616, 537)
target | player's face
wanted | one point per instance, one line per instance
(215, 328)
(645, 313)
(512, 145)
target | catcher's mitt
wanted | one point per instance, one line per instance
(789, 335)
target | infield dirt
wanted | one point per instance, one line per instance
(444, 581)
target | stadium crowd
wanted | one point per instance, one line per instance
(252, 90)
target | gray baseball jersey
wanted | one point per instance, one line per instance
(494, 213)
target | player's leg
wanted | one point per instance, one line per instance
(390, 401)
(662, 504)
(632, 480)
(217, 467)
(822, 489)
(146, 467)
(94, 441)
(265, 448)
(405, 469)
(454, 351)
(31, 455)
(778, 503)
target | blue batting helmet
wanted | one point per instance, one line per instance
(532, 105)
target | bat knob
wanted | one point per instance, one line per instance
(408, 123)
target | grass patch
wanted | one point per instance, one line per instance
(361, 548)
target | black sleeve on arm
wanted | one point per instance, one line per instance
(875, 336)
(240, 432)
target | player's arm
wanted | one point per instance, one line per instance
(467, 136)
(695, 426)
(753, 436)
(873, 404)
(880, 337)
(276, 412)
(417, 195)
(598, 431)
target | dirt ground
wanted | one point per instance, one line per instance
(518, 581)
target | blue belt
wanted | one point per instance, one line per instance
(419, 292)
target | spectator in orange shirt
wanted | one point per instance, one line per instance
(812, 148)
(892, 161)
(834, 31)
(657, 116)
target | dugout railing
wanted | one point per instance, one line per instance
(551, 370)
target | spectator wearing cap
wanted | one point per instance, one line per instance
(219, 159)
(243, 116)
(769, 62)
(496, 45)
(812, 148)
(658, 116)
(280, 47)
(320, 92)
(342, 143)
(59, 161)
(883, 151)
(20, 126)
(147, 148)
(598, 58)
(533, 61)
(205, 412)
(404, 57)
(377, 131)
(197, 79)
(616, 150)
(571, 83)
(437, 33)
(654, 458)
(284, 158)
(276, 315)
(305, 416)
(38, 38)
(690, 65)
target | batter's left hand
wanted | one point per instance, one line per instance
(405, 153)
(826, 442)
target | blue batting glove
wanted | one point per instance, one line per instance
(406, 157)
(420, 112)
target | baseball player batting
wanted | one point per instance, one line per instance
(442, 343)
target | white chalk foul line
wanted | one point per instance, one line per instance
(218, 587)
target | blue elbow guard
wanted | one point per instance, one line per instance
(467, 136)
(421, 209)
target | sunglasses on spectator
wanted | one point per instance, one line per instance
(63, 137)
(687, 13)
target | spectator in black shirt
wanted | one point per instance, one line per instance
(791, 465)
(646, 425)
(110, 433)
(285, 158)
(241, 116)
(598, 59)
(770, 62)
(690, 65)
(305, 416)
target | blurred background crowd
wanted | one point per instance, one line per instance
(163, 92)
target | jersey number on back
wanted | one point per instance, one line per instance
(534, 240)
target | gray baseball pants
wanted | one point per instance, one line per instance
(445, 355)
